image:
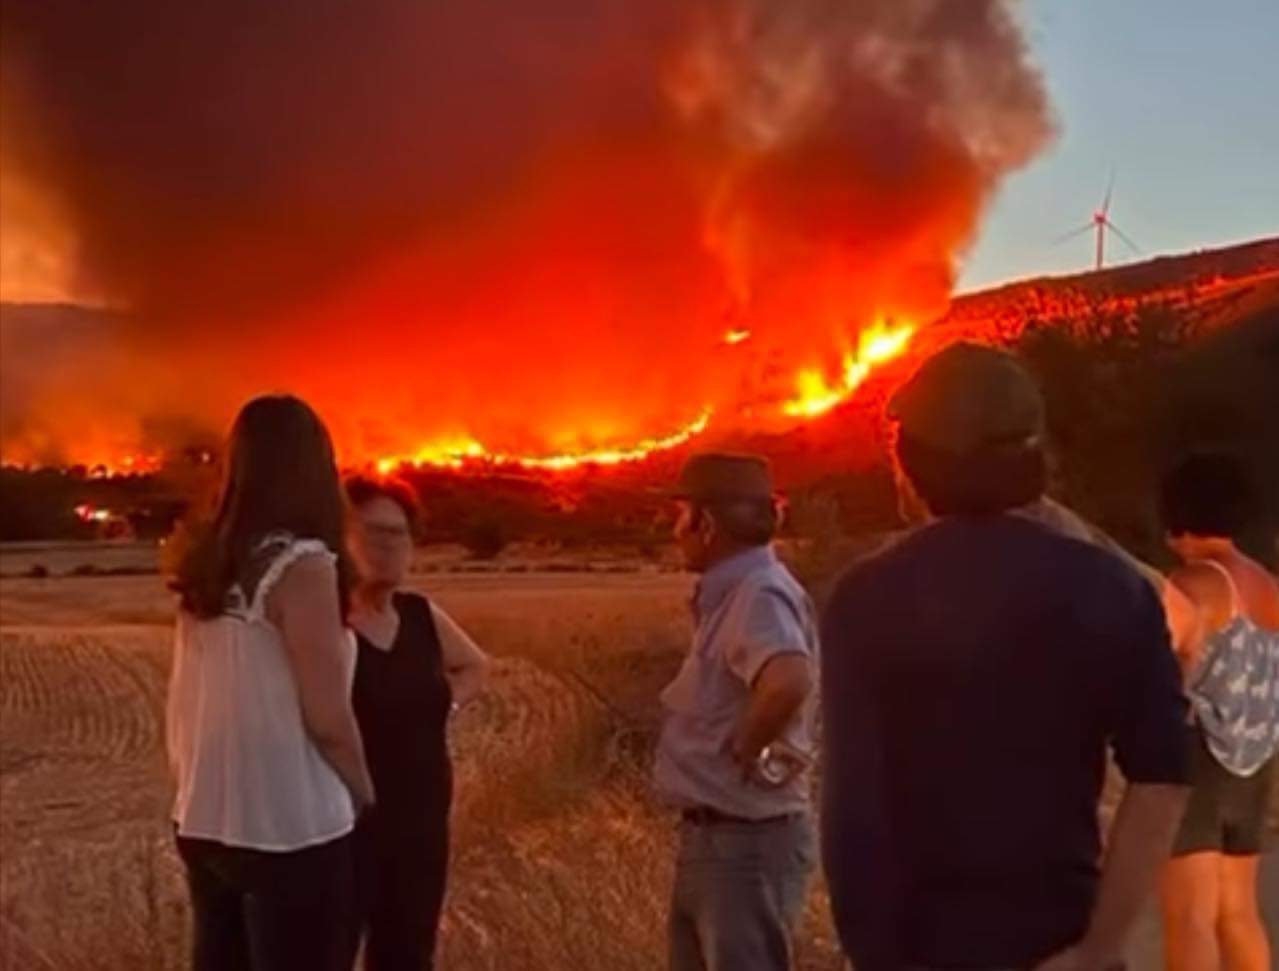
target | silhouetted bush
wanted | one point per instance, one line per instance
(486, 537)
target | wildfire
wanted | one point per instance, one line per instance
(816, 395)
(880, 342)
(127, 465)
(456, 454)
(92, 514)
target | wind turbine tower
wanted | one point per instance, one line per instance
(1100, 223)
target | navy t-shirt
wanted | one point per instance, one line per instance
(973, 677)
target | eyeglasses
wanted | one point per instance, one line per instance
(391, 534)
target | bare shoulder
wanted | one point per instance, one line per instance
(311, 576)
(1206, 587)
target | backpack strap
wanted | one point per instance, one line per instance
(1235, 600)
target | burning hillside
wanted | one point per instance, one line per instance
(1206, 290)
(551, 233)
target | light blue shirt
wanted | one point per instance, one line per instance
(748, 609)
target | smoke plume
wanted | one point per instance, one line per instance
(526, 223)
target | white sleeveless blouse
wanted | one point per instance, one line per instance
(247, 773)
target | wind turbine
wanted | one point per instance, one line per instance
(1099, 224)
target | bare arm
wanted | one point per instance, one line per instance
(777, 693)
(304, 605)
(1140, 842)
(1185, 626)
(465, 665)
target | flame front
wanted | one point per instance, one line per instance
(458, 454)
(816, 395)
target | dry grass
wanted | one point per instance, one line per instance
(561, 859)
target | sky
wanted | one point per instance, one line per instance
(1177, 97)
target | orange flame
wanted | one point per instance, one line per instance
(816, 395)
(880, 342)
(457, 453)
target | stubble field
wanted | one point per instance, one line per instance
(562, 859)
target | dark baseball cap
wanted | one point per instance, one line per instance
(716, 476)
(970, 396)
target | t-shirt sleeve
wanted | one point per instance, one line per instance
(771, 625)
(1150, 737)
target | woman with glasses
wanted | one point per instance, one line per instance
(415, 665)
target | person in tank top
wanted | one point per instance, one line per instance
(262, 738)
(1211, 915)
(415, 665)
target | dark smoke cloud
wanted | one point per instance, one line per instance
(524, 221)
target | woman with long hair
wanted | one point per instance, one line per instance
(415, 665)
(1211, 914)
(262, 738)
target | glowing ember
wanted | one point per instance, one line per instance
(459, 453)
(817, 395)
(737, 336)
(91, 514)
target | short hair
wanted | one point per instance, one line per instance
(751, 521)
(361, 490)
(1207, 494)
(990, 480)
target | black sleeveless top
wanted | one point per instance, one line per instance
(402, 700)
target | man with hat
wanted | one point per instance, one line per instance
(974, 676)
(738, 737)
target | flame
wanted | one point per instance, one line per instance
(92, 514)
(126, 465)
(880, 342)
(458, 453)
(816, 395)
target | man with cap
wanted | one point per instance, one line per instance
(975, 675)
(738, 736)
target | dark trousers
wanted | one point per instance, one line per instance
(402, 867)
(260, 911)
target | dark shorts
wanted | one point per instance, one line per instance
(1226, 813)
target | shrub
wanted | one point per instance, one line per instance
(486, 537)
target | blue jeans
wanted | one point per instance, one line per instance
(739, 891)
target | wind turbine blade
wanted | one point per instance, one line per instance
(1072, 234)
(1110, 188)
(1120, 233)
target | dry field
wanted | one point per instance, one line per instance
(562, 861)
(561, 858)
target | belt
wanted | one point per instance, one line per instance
(706, 816)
